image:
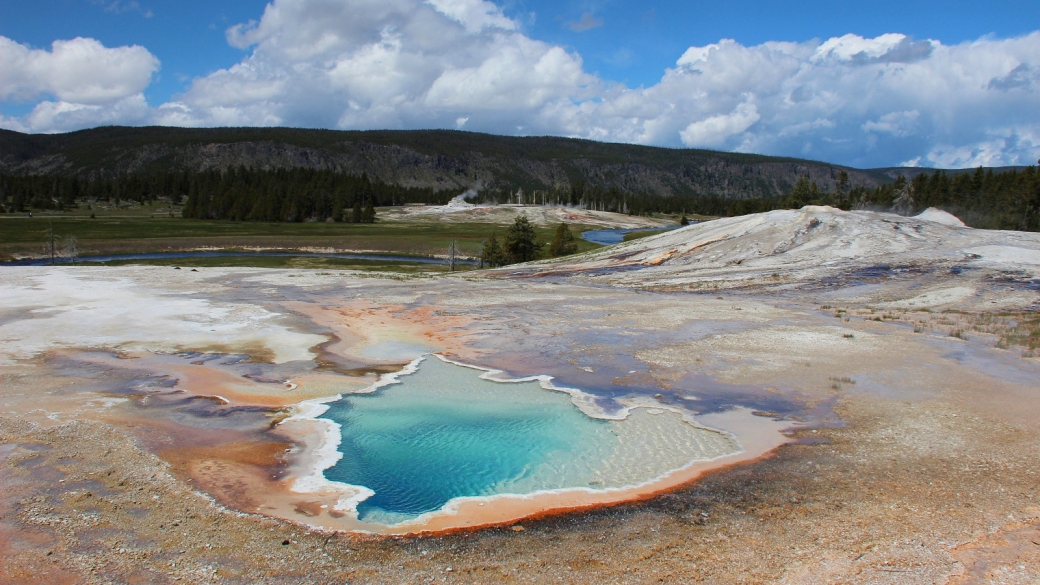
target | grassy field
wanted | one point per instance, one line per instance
(21, 236)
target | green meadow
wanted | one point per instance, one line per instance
(144, 230)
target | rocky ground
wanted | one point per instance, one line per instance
(918, 461)
(855, 505)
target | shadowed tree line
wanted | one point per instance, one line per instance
(239, 194)
(984, 199)
(298, 195)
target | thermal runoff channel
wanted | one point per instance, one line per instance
(443, 432)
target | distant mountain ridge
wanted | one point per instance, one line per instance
(439, 159)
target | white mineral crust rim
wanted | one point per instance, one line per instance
(327, 454)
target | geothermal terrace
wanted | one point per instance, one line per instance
(797, 396)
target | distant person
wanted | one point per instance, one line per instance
(30, 214)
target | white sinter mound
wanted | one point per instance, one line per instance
(809, 243)
(940, 216)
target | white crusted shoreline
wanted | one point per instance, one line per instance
(325, 454)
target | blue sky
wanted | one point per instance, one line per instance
(633, 42)
(653, 34)
(609, 70)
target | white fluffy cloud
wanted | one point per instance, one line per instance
(868, 102)
(82, 83)
(449, 63)
(80, 71)
(715, 130)
(384, 63)
(67, 116)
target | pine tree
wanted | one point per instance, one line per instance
(563, 243)
(355, 214)
(521, 241)
(492, 254)
(800, 195)
(843, 183)
(369, 215)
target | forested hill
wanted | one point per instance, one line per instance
(426, 159)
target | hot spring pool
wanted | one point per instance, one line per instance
(442, 433)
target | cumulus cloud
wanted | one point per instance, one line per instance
(449, 63)
(64, 116)
(867, 102)
(887, 48)
(81, 71)
(475, 15)
(992, 151)
(78, 83)
(387, 63)
(716, 130)
(1021, 77)
(895, 123)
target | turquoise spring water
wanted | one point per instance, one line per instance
(444, 433)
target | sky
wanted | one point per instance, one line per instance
(949, 84)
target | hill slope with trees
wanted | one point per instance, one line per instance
(284, 174)
(428, 159)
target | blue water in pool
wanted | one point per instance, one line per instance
(611, 237)
(444, 433)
